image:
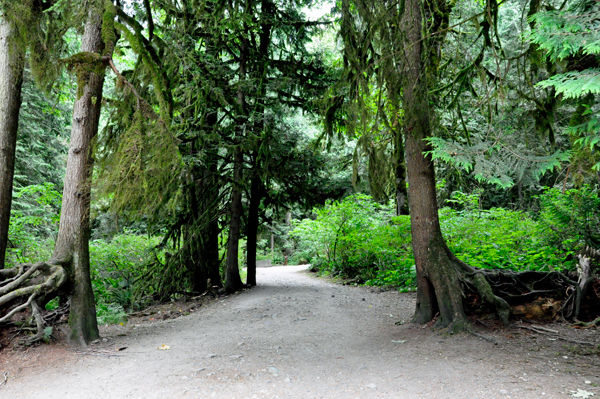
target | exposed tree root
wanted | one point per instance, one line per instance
(30, 286)
(593, 323)
(555, 335)
(526, 295)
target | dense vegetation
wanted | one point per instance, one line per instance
(227, 132)
(364, 242)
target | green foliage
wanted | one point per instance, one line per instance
(571, 218)
(564, 33)
(358, 238)
(572, 34)
(117, 266)
(110, 314)
(42, 140)
(34, 218)
(575, 84)
(500, 239)
(498, 162)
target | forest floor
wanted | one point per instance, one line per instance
(298, 336)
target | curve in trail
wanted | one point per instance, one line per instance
(292, 336)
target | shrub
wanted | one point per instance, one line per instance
(116, 265)
(500, 239)
(359, 239)
(571, 219)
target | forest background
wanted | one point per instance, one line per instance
(232, 132)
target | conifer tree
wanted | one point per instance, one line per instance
(11, 78)
(68, 271)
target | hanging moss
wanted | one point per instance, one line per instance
(160, 86)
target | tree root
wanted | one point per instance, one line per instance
(555, 335)
(593, 323)
(30, 286)
(485, 290)
(529, 294)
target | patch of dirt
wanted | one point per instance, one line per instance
(298, 336)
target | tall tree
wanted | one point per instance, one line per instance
(72, 243)
(414, 59)
(438, 284)
(68, 271)
(11, 78)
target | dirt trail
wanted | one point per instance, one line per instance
(298, 336)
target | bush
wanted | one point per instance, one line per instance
(359, 239)
(501, 239)
(116, 265)
(34, 219)
(571, 219)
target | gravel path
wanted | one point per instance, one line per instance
(301, 337)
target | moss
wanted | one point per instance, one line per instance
(109, 35)
(84, 64)
(136, 42)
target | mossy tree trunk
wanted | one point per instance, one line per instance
(11, 79)
(400, 175)
(257, 188)
(438, 279)
(192, 231)
(72, 244)
(211, 237)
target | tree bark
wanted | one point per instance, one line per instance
(212, 254)
(438, 282)
(252, 229)
(400, 175)
(256, 184)
(233, 281)
(72, 244)
(11, 79)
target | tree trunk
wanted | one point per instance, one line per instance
(252, 229)
(400, 175)
(233, 281)
(212, 254)
(209, 221)
(438, 281)
(11, 79)
(256, 184)
(72, 244)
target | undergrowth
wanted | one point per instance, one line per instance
(361, 241)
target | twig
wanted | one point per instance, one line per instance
(5, 375)
(574, 341)
(489, 339)
(593, 323)
(482, 323)
(93, 352)
(128, 83)
(544, 329)
(556, 336)
(538, 331)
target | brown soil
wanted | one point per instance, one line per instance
(302, 337)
